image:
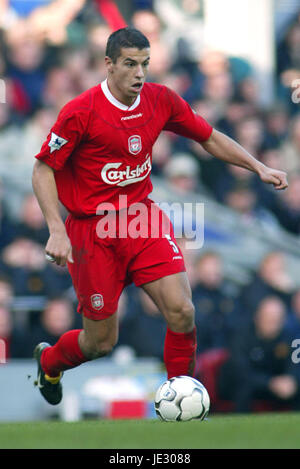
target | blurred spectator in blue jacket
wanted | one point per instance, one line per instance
(272, 278)
(276, 127)
(57, 317)
(286, 207)
(26, 69)
(142, 326)
(217, 308)
(260, 365)
(293, 319)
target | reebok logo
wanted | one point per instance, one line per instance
(134, 116)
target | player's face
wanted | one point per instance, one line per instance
(127, 76)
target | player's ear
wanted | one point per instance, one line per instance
(109, 64)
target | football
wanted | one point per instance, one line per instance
(181, 398)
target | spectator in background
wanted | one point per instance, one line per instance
(288, 65)
(32, 225)
(272, 278)
(249, 132)
(75, 60)
(149, 24)
(211, 168)
(260, 365)
(59, 88)
(248, 91)
(7, 226)
(10, 133)
(26, 69)
(97, 36)
(142, 326)
(24, 262)
(269, 198)
(217, 313)
(17, 341)
(293, 318)
(43, 21)
(218, 89)
(6, 291)
(31, 135)
(57, 318)
(182, 173)
(286, 207)
(183, 32)
(236, 111)
(290, 149)
(178, 81)
(161, 154)
(15, 161)
(244, 201)
(212, 80)
(229, 179)
(276, 127)
(288, 52)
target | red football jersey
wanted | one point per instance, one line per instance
(101, 149)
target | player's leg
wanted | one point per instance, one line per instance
(100, 329)
(98, 338)
(172, 295)
(158, 267)
(73, 348)
(77, 346)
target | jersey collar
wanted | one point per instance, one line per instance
(115, 102)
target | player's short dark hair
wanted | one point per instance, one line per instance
(127, 38)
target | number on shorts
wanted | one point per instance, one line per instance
(174, 247)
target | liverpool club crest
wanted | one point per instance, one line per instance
(97, 301)
(134, 144)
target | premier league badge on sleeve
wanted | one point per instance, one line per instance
(56, 142)
(134, 144)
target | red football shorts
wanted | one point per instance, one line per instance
(112, 250)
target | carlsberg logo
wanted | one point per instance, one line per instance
(111, 174)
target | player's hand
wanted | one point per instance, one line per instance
(59, 249)
(273, 176)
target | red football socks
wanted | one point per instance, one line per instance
(180, 353)
(65, 354)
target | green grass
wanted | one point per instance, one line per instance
(239, 431)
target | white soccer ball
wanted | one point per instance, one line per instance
(180, 399)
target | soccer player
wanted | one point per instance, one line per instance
(97, 161)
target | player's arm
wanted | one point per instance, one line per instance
(184, 121)
(226, 149)
(44, 186)
(63, 138)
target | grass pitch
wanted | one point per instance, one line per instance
(261, 431)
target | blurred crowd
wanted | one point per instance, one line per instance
(51, 51)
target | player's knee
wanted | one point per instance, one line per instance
(182, 316)
(101, 348)
(97, 347)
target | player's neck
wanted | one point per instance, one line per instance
(118, 95)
